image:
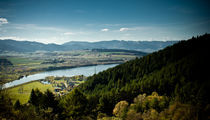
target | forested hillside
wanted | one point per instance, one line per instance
(178, 71)
(170, 84)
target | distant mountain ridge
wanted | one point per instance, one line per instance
(145, 46)
(27, 46)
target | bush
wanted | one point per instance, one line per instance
(120, 109)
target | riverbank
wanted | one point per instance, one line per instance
(57, 85)
(52, 68)
(23, 84)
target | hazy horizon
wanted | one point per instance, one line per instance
(95, 41)
(91, 21)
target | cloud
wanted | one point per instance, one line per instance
(124, 29)
(138, 28)
(12, 37)
(3, 21)
(104, 30)
(69, 33)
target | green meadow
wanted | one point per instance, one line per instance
(22, 92)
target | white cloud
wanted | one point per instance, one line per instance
(124, 29)
(138, 28)
(12, 37)
(68, 33)
(104, 30)
(3, 21)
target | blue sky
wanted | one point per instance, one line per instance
(60, 21)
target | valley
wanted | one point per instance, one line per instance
(24, 64)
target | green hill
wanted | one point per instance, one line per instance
(179, 72)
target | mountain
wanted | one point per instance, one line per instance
(26, 46)
(145, 46)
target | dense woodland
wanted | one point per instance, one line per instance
(170, 84)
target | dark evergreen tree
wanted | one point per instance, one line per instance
(74, 104)
(36, 98)
(17, 105)
(33, 98)
(50, 101)
(6, 107)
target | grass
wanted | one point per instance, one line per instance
(22, 92)
(123, 56)
(23, 61)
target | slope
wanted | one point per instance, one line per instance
(26, 46)
(177, 71)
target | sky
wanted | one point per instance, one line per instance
(60, 21)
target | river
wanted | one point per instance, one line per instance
(86, 71)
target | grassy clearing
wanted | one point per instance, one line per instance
(123, 56)
(22, 92)
(23, 61)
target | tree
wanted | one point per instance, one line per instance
(154, 103)
(36, 98)
(50, 101)
(33, 97)
(17, 105)
(120, 109)
(74, 104)
(6, 107)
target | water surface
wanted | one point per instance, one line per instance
(86, 71)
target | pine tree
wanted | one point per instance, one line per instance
(17, 105)
(33, 98)
(74, 104)
(36, 98)
(50, 101)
